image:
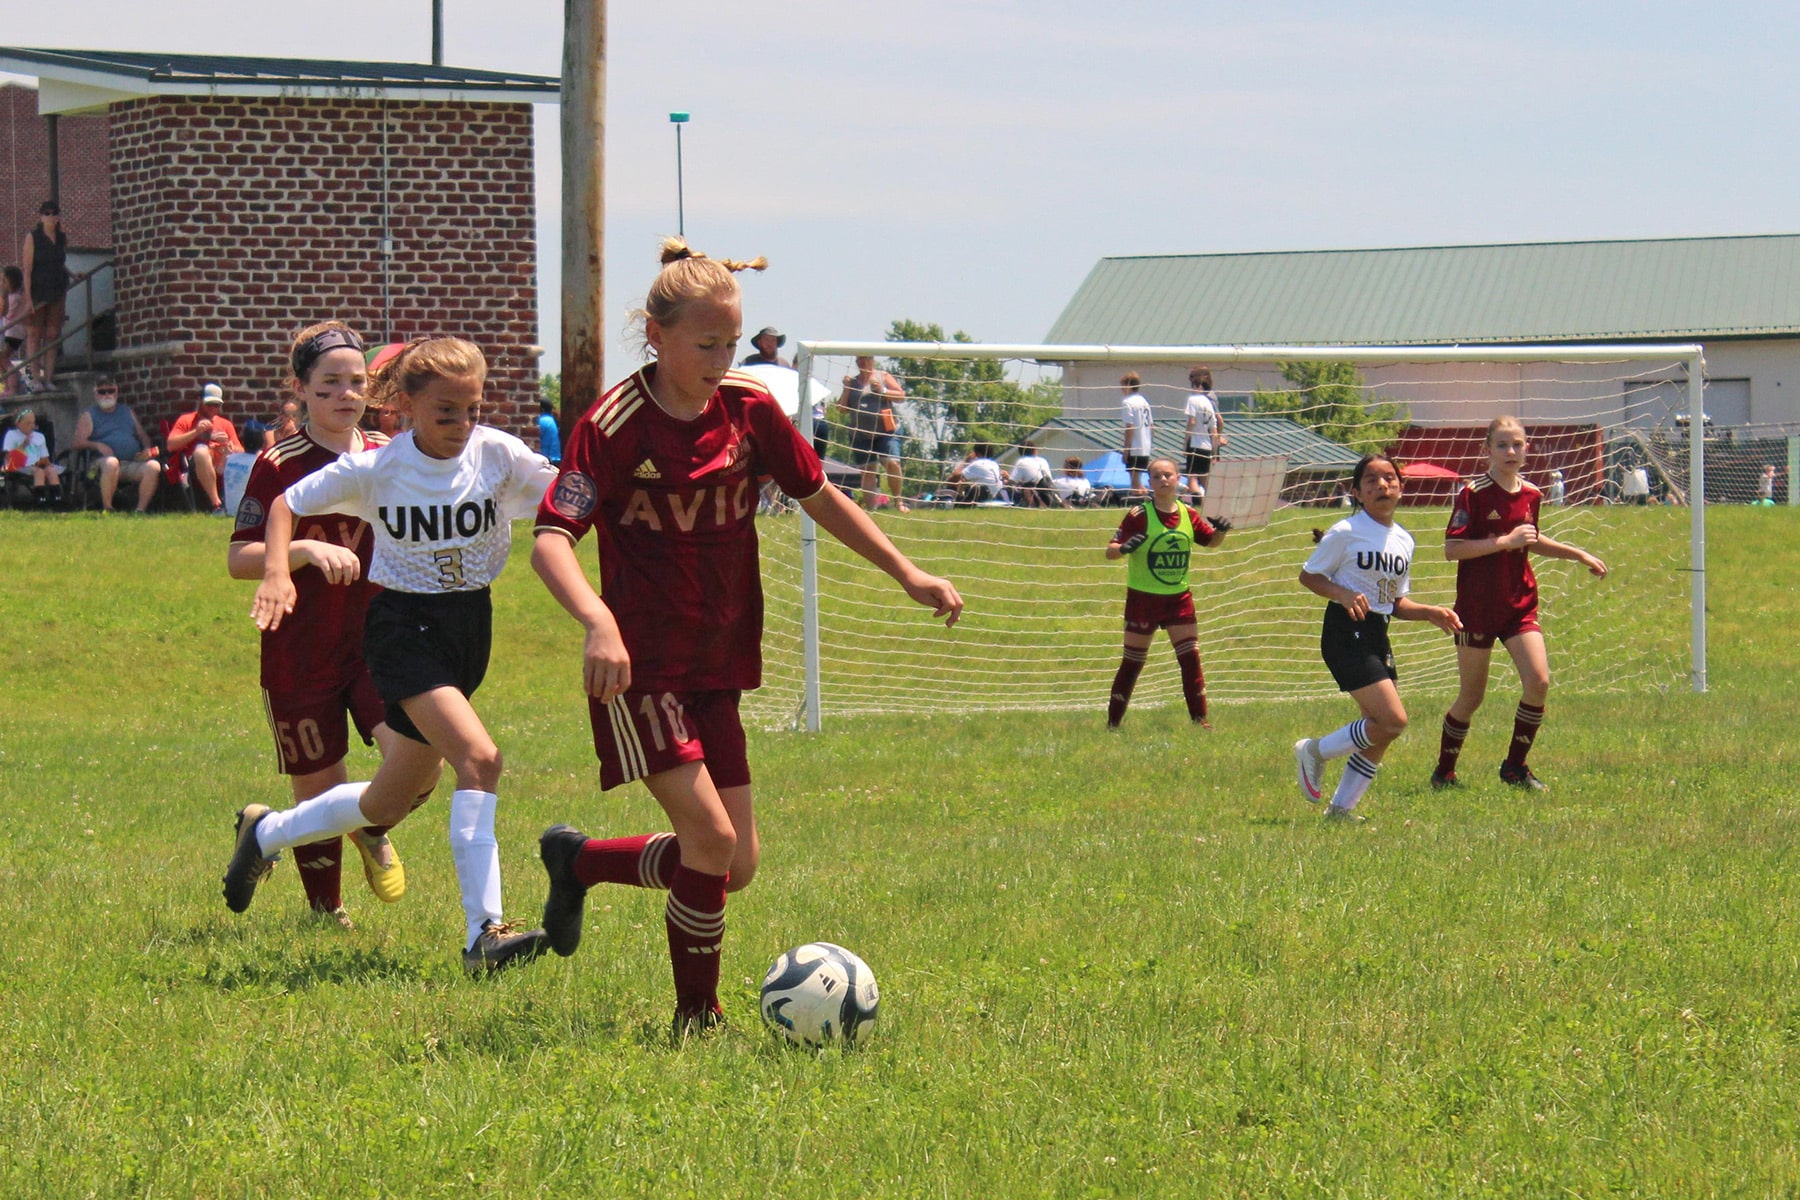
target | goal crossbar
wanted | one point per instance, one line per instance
(1690, 354)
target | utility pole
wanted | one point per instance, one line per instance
(584, 205)
(437, 33)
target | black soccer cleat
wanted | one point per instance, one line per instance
(248, 867)
(558, 847)
(1444, 780)
(1521, 778)
(501, 945)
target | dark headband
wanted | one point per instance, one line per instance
(319, 345)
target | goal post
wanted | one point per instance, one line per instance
(1041, 630)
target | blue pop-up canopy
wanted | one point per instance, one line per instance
(1108, 470)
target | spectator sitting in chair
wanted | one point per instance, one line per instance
(26, 451)
(1031, 482)
(206, 428)
(112, 431)
(978, 479)
(1072, 485)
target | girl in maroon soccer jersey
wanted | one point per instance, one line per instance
(1492, 533)
(663, 469)
(1157, 594)
(313, 676)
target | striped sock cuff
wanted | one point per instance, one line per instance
(703, 926)
(1454, 729)
(1527, 714)
(1359, 733)
(1136, 654)
(1362, 766)
(651, 861)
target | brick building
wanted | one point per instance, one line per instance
(250, 197)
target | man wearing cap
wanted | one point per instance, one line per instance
(206, 429)
(112, 431)
(767, 341)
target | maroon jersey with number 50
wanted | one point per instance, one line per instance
(672, 505)
(319, 644)
(1497, 590)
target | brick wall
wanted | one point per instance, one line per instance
(239, 221)
(25, 173)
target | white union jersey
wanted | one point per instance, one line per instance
(1368, 557)
(441, 525)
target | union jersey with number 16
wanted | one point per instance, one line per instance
(1368, 557)
(441, 524)
(672, 504)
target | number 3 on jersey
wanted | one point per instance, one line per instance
(450, 568)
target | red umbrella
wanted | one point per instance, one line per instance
(1427, 470)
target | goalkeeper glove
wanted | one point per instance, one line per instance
(1131, 543)
(1221, 524)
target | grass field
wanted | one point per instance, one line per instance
(1126, 965)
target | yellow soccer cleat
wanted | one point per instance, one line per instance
(381, 865)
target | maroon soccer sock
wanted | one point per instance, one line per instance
(1450, 743)
(648, 861)
(1193, 679)
(321, 867)
(1525, 730)
(695, 919)
(1124, 683)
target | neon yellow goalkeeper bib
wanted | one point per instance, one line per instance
(1160, 565)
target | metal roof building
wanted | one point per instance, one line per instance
(1739, 296)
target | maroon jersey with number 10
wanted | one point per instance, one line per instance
(1497, 590)
(319, 644)
(672, 505)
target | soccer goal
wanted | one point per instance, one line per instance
(1612, 449)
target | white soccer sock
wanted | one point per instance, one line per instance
(1339, 742)
(333, 811)
(477, 854)
(1359, 773)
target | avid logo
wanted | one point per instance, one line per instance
(1167, 557)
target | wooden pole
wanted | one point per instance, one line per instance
(584, 211)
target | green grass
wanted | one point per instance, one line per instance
(1125, 965)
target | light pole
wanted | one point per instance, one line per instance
(678, 119)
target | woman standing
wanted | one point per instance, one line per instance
(46, 269)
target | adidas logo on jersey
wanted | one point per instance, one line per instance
(1492, 515)
(646, 470)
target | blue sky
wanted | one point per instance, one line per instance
(968, 162)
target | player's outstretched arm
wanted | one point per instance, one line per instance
(274, 597)
(1444, 618)
(853, 527)
(1550, 549)
(605, 663)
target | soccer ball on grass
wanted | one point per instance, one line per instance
(818, 994)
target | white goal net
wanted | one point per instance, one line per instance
(1611, 449)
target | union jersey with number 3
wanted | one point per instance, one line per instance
(441, 524)
(1495, 591)
(319, 644)
(1368, 557)
(672, 505)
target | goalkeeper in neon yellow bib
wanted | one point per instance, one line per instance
(1157, 542)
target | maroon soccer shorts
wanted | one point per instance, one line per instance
(1480, 640)
(645, 733)
(310, 729)
(1147, 612)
